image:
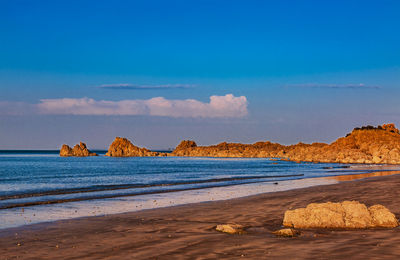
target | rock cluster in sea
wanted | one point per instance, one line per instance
(79, 150)
(122, 147)
(371, 145)
(346, 214)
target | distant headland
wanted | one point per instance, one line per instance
(367, 144)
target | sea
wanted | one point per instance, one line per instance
(41, 186)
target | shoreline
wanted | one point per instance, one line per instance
(25, 216)
(187, 230)
(44, 212)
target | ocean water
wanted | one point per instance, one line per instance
(39, 186)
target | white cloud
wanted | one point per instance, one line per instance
(219, 106)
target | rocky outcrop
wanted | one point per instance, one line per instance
(79, 150)
(391, 128)
(186, 144)
(122, 147)
(346, 214)
(230, 228)
(260, 149)
(363, 145)
(185, 148)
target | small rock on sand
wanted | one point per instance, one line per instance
(230, 228)
(287, 232)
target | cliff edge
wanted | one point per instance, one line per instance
(378, 145)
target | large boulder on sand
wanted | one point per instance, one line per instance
(346, 214)
(79, 150)
(382, 217)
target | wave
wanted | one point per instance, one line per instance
(220, 182)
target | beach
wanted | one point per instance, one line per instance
(199, 130)
(187, 231)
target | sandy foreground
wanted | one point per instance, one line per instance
(186, 232)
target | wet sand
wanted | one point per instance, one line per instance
(186, 232)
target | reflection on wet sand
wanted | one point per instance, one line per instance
(362, 175)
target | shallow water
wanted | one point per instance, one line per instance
(41, 186)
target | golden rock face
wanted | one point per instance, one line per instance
(346, 214)
(391, 128)
(79, 150)
(122, 147)
(371, 145)
(185, 144)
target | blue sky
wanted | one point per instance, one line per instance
(297, 71)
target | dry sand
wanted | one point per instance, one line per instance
(186, 232)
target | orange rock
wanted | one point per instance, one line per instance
(287, 232)
(66, 151)
(122, 147)
(230, 228)
(363, 145)
(79, 150)
(346, 214)
(382, 217)
(391, 128)
(186, 144)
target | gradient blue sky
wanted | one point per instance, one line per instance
(310, 70)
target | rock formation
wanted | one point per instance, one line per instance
(185, 148)
(122, 147)
(391, 128)
(230, 228)
(346, 214)
(79, 150)
(363, 145)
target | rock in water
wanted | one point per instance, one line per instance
(122, 147)
(65, 151)
(346, 214)
(230, 228)
(79, 150)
